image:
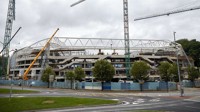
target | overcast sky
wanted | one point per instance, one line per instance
(98, 19)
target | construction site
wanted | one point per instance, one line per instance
(66, 53)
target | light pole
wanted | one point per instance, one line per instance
(177, 62)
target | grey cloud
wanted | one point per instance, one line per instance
(98, 19)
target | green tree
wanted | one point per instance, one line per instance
(165, 75)
(193, 73)
(191, 47)
(46, 73)
(139, 71)
(173, 71)
(103, 71)
(70, 75)
(3, 67)
(79, 73)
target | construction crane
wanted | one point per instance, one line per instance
(7, 35)
(35, 59)
(126, 38)
(10, 40)
(167, 13)
(126, 34)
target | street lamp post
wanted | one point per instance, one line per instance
(177, 62)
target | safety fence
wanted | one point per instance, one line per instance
(95, 85)
(106, 85)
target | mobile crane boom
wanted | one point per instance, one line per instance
(30, 66)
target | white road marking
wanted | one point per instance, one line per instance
(139, 101)
(115, 99)
(134, 103)
(155, 100)
(125, 102)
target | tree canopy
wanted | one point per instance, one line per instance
(103, 70)
(70, 75)
(173, 71)
(193, 73)
(46, 73)
(163, 69)
(139, 70)
(79, 73)
(192, 48)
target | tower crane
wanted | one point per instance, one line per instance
(7, 35)
(167, 13)
(126, 34)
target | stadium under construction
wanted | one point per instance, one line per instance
(66, 53)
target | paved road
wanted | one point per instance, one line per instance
(129, 100)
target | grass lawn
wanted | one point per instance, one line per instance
(14, 91)
(35, 103)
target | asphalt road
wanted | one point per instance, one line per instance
(128, 100)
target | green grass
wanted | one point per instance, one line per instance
(35, 103)
(14, 91)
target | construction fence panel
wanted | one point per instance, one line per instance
(115, 86)
(134, 86)
(106, 86)
(125, 86)
(152, 85)
(93, 85)
(188, 83)
(197, 83)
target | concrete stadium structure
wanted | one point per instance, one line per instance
(66, 53)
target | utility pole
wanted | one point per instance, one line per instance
(177, 62)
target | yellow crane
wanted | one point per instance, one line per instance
(30, 66)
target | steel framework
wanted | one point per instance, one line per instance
(100, 43)
(7, 35)
(9, 23)
(126, 37)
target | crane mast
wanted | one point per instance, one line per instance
(7, 35)
(126, 37)
(9, 23)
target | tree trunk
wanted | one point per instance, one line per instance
(101, 86)
(167, 86)
(141, 88)
(193, 84)
(48, 85)
(71, 84)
